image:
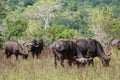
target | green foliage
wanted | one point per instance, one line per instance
(37, 20)
(16, 25)
(116, 3)
(12, 4)
(29, 2)
(3, 11)
(56, 32)
(67, 22)
(116, 11)
(1, 40)
(114, 28)
(52, 33)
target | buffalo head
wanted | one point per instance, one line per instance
(105, 61)
(35, 47)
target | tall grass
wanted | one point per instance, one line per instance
(43, 69)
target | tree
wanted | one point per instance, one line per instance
(56, 32)
(42, 13)
(15, 26)
(100, 22)
(29, 2)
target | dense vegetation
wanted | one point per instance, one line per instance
(54, 19)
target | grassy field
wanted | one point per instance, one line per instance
(43, 69)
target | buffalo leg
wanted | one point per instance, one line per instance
(55, 60)
(78, 64)
(62, 62)
(91, 62)
(8, 55)
(6, 52)
(37, 55)
(16, 56)
(70, 62)
(33, 55)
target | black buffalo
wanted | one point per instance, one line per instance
(91, 48)
(13, 47)
(66, 49)
(118, 45)
(36, 47)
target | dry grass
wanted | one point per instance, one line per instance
(43, 69)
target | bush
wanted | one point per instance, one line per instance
(60, 31)
(16, 25)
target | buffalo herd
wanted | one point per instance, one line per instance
(17, 48)
(79, 52)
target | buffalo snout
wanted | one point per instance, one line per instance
(106, 62)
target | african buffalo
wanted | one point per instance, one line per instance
(13, 47)
(66, 49)
(25, 46)
(118, 45)
(91, 48)
(36, 47)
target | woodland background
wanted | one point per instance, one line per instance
(54, 19)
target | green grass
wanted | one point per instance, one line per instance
(43, 69)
